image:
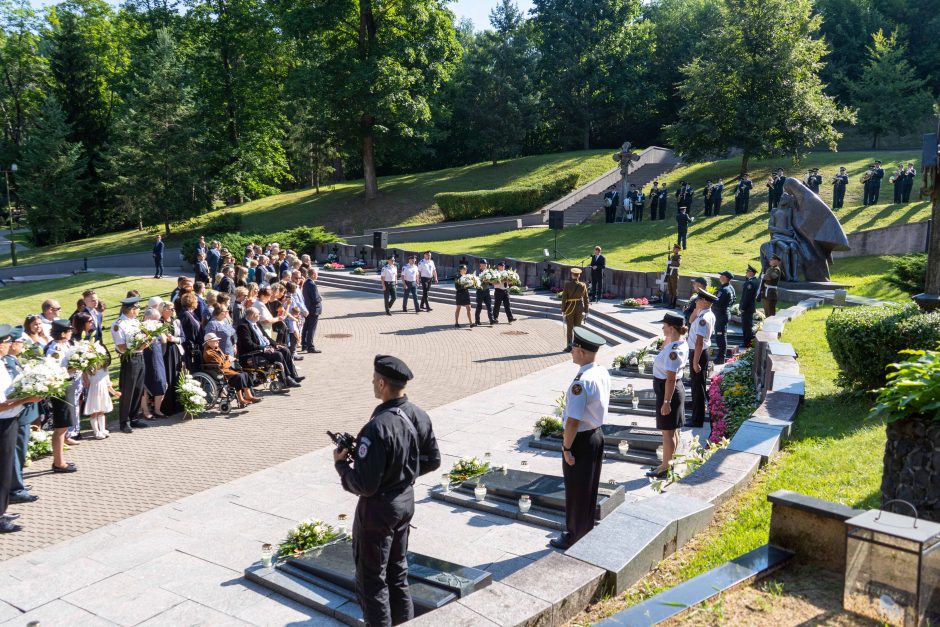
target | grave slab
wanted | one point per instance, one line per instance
(690, 515)
(505, 605)
(719, 477)
(453, 615)
(756, 438)
(564, 582)
(778, 405)
(791, 384)
(781, 348)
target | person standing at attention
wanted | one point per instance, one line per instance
(409, 278)
(574, 305)
(748, 304)
(389, 283)
(598, 263)
(158, 258)
(428, 273)
(501, 297)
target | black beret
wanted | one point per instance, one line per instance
(483, 261)
(674, 319)
(392, 368)
(588, 340)
(700, 280)
(706, 295)
(751, 268)
(5, 331)
(500, 263)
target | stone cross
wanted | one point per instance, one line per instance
(625, 158)
(930, 299)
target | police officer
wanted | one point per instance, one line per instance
(582, 441)
(814, 180)
(768, 289)
(722, 310)
(748, 304)
(393, 448)
(389, 283)
(683, 219)
(672, 276)
(131, 378)
(839, 183)
(700, 340)
(501, 297)
(698, 283)
(598, 263)
(742, 194)
(670, 392)
(483, 296)
(574, 304)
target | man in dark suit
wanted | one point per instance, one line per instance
(663, 201)
(717, 189)
(876, 183)
(213, 257)
(598, 263)
(251, 338)
(314, 304)
(158, 258)
(90, 298)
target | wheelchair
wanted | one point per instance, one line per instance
(261, 373)
(217, 388)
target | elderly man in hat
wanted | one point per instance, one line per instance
(583, 441)
(392, 450)
(722, 310)
(748, 303)
(701, 327)
(574, 305)
(131, 377)
(10, 410)
(768, 287)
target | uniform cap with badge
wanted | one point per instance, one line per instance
(392, 368)
(588, 340)
(60, 326)
(673, 319)
(700, 280)
(751, 269)
(727, 274)
(130, 302)
(5, 331)
(706, 296)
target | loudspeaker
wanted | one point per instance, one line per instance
(556, 219)
(380, 239)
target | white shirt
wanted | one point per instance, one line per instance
(6, 385)
(703, 325)
(390, 273)
(265, 318)
(123, 329)
(588, 397)
(672, 358)
(410, 272)
(47, 324)
(426, 268)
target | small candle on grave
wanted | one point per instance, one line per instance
(524, 465)
(623, 446)
(537, 433)
(267, 554)
(525, 503)
(445, 482)
(636, 402)
(341, 523)
(479, 492)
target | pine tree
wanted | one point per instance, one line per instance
(50, 185)
(889, 95)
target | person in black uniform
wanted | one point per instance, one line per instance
(742, 194)
(484, 299)
(698, 283)
(392, 449)
(157, 259)
(722, 310)
(132, 366)
(654, 200)
(875, 183)
(777, 188)
(611, 199)
(717, 189)
(683, 219)
(814, 180)
(699, 340)
(898, 184)
(707, 197)
(748, 304)
(636, 203)
(909, 175)
(663, 201)
(866, 186)
(598, 263)
(839, 183)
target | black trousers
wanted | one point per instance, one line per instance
(747, 325)
(131, 384)
(501, 297)
(409, 288)
(158, 265)
(699, 390)
(638, 212)
(683, 237)
(609, 214)
(721, 340)
(389, 294)
(380, 550)
(9, 427)
(597, 284)
(425, 288)
(907, 189)
(484, 299)
(280, 355)
(662, 209)
(654, 206)
(309, 331)
(581, 481)
(873, 192)
(838, 198)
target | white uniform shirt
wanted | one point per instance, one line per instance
(47, 324)
(124, 329)
(588, 397)
(672, 358)
(703, 325)
(409, 272)
(426, 268)
(6, 386)
(390, 273)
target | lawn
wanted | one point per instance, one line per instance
(835, 454)
(342, 208)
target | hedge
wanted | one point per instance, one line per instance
(507, 201)
(909, 273)
(864, 340)
(302, 239)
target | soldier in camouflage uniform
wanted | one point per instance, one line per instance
(574, 304)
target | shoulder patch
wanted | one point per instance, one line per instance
(577, 388)
(701, 322)
(363, 449)
(673, 355)
(116, 327)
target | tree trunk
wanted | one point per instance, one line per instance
(874, 141)
(495, 158)
(745, 157)
(368, 161)
(586, 139)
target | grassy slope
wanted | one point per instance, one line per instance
(404, 199)
(835, 454)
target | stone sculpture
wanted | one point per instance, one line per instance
(803, 233)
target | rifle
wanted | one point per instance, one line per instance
(343, 441)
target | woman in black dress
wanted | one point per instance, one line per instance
(667, 384)
(172, 358)
(463, 297)
(155, 380)
(192, 331)
(60, 349)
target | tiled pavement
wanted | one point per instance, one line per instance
(129, 474)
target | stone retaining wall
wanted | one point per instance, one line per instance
(627, 544)
(902, 239)
(171, 262)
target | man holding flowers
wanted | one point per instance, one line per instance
(130, 340)
(505, 279)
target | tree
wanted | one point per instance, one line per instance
(846, 27)
(755, 86)
(154, 159)
(378, 62)
(592, 56)
(889, 95)
(24, 73)
(50, 177)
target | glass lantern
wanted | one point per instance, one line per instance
(267, 555)
(636, 402)
(623, 447)
(341, 523)
(524, 465)
(892, 568)
(445, 482)
(479, 492)
(537, 434)
(525, 503)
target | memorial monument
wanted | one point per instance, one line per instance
(803, 233)
(626, 157)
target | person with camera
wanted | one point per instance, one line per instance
(391, 451)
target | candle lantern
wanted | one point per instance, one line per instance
(892, 568)
(267, 555)
(479, 492)
(445, 482)
(525, 503)
(623, 447)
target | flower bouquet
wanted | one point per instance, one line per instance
(191, 396)
(509, 276)
(40, 444)
(359, 270)
(633, 358)
(87, 356)
(333, 265)
(467, 468)
(489, 276)
(515, 290)
(31, 354)
(46, 379)
(308, 534)
(657, 344)
(468, 281)
(547, 425)
(635, 302)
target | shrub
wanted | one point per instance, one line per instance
(913, 388)
(864, 340)
(909, 273)
(508, 201)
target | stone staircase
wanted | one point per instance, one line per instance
(615, 330)
(583, 210)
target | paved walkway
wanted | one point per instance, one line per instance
(129, 474)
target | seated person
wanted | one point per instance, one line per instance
(251, 338)
(214, 359)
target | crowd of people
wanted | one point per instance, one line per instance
(261, 309)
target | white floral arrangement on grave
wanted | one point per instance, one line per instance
(87, 356)
(489, 276)
(190, 394)
(467, 468)
(40, 444)
(308, 534)
(45, 379)
(468, 281)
